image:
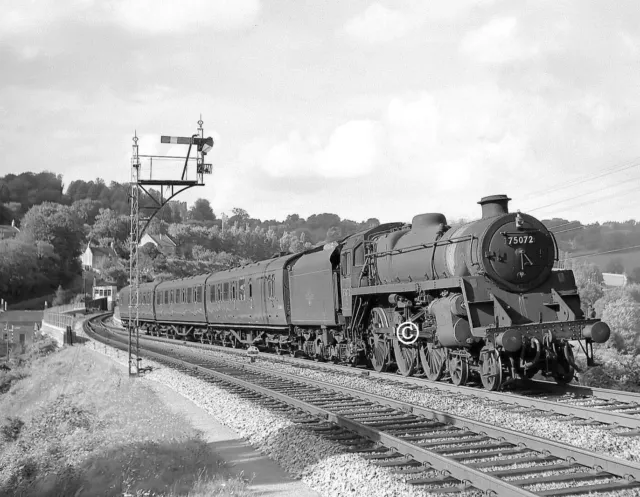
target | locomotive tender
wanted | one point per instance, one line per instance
(480, 299)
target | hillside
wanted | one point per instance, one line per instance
(57, 224)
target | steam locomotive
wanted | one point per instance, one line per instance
(480, 299)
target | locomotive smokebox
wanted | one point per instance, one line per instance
(494, 205)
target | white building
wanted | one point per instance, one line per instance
(613, 279)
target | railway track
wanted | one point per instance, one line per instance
(584, 405)
(432, 450)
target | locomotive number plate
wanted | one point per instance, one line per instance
(520, 239)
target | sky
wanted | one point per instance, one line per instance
(382, 109)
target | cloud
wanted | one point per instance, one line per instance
(498, 42)
(380, 24)
(172, 16)
(37, 17)
(352, 150)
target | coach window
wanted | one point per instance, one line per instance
(189, 295)
(171, 294)
(225, 291)
(218, 292)
(241, 289)
(177, 298)
(233, 291)
(183, 295)
(250, 289)
(199, 294)
(157, 297)
(166, 297)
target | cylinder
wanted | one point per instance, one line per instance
(598, 332)
(457, 305)
(510, 340)
(456, 335)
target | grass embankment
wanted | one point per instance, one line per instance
(614, 370)
(72, 423)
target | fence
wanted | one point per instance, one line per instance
(58, 319)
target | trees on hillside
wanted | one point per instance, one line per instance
(110, 227)
(28, 269)
(202, 211)
(28, 189)
(589, 282)
(58, 225)
(614, 266)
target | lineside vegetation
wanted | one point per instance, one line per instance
(72, 423)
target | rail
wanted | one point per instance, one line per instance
(444, 448)
(628, 402)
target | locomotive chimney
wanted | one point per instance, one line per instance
(494, 205)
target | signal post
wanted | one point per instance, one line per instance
(142, 180)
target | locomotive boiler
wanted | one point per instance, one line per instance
(478, 301)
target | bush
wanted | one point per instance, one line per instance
(615, 370)
(10, 431)
(8, 378)
(623, 316)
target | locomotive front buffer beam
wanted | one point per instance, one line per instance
(549, 336)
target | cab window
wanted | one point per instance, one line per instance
(358, 255)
